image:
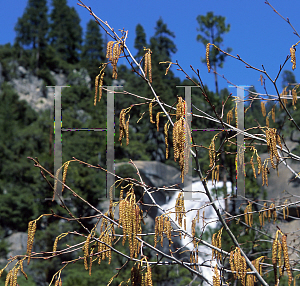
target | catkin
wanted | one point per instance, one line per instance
(294, 94)
(253, 168)
(179, 208)
(86, 251)
(248, 215)
(148, 65)
(66, 165)
(286, 258)
(212, 153)
(157, 121)
(229, 116)
(109, 52)
(150, 113)
(181, 138)
(207, 56)
(216, 277)
(31, 232)
(166, 128)
(238, 265)
(263, 108)
(293, 57)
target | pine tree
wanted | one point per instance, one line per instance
(65, 31)
(93, 50)
(213, 27)
(32, 29)
(161, 43)
(140, 40)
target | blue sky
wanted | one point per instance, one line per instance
(257, 33)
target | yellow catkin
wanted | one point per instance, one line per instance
(248, 215)
(253, 168)
(86, 251)
(212, 153)
(157, 121)
(21, 268)
(109, 52)
(166, 128)
(232, 264)
(294, 94)
(91, 262)
(150, 113)
(148, 65)
(124, 126)
(66, 165)
(207, 56)
(259, 165)
(181, 138)
(31, 232)
(286, 258)
(55, 244)
(217, 242)
(238, 265)
(266, 176)
(96, 88)
(274, 254)
(229, 116)
(267, 121)
(156, 231)
(293, 57)
(179, 208)
(100, 85)
(115, 58)
(263, 108)
(216, 277)
(127, 131)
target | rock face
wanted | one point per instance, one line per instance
(33, 90)
(17, 244)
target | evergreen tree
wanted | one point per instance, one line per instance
(140, 40)
(65, 31)
(161, 44)
(92, 50)
(213, 27)
(32, 29)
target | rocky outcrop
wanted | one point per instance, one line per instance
(34, 91)
(17, 245)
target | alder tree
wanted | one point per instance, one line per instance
(127, 226)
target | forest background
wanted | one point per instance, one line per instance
(55, 42)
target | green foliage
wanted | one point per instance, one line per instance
(213, 27)
(161, 44)
(140, 41)
(31, 30)
(211, 30)
(93, 52)
(65, 31)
